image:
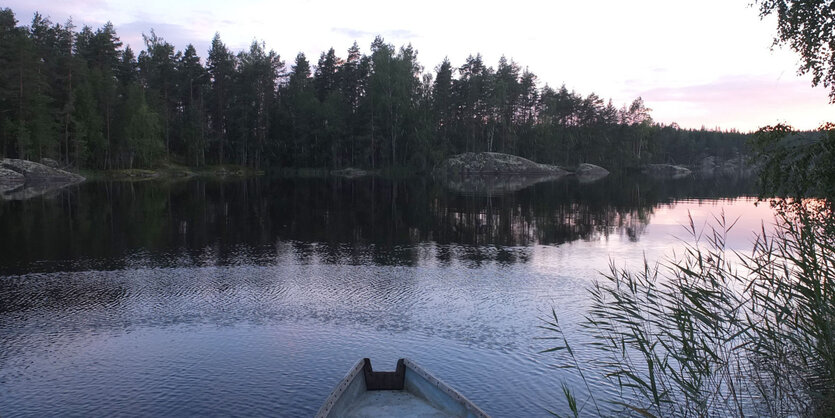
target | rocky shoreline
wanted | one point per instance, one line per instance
(471, 172)
(666, 171)
(493, 172)
(494, 163)
(30, 171)
(24, 179)
(488, 173)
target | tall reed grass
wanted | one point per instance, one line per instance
(710, 332)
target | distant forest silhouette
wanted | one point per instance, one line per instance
(81, 98)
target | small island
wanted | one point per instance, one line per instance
(487, 173)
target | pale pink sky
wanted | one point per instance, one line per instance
(706, 63)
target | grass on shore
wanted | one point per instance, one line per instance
(172, 171)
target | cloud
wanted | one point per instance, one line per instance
(131, 33)
(163, 30)
(83, 12)
(178, 35)
(352, 33)
(739, 90)
(743, 102)
(399, 34)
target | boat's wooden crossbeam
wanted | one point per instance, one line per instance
(384, 380)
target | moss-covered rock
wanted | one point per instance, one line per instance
(588, 173)
(494, 163)
(491, 173)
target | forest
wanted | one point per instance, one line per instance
(82, 98)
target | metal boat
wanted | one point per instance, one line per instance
(409, 391)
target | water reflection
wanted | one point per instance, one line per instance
(112, 225)
(251, 297)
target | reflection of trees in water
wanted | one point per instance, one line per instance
(368, 220)
(512, 223)
(565, 211)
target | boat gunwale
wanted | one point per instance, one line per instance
(331, 400)
(343, 384)
(448, 390)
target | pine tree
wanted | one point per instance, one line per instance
(192, 81)
(10, 36)
(299, 104)
(471, 91)
(256, 88)
(221, 68)
(353, 78)
(325, 78)
(143, 131)
(158, 67)
(33, 121)
(100, 51)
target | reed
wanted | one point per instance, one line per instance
(710, 332)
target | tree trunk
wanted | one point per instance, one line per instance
(107, 128)
(219, 123)
(21, 122)
(67, 116)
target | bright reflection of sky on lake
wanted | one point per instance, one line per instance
(704, 63)
(747, 216)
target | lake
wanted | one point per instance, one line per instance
(254, 297)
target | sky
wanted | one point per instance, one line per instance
(708, 63)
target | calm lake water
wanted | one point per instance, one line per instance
(255, 297)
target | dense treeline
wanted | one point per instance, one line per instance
(81, 98)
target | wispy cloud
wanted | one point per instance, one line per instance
(90, 12)
(178, 35)
(352, 33)
(399, 34)
(735, 91)
(745, 102)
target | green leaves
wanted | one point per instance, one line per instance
(808, 27)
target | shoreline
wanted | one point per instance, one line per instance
(172, 172)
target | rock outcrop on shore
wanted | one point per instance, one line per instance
(10, 177)
(666, 171)
(494, 163)
(587, 173)
(23, 179)
(488, 173)
(36, 172)
(736, 166)
(10, 180)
